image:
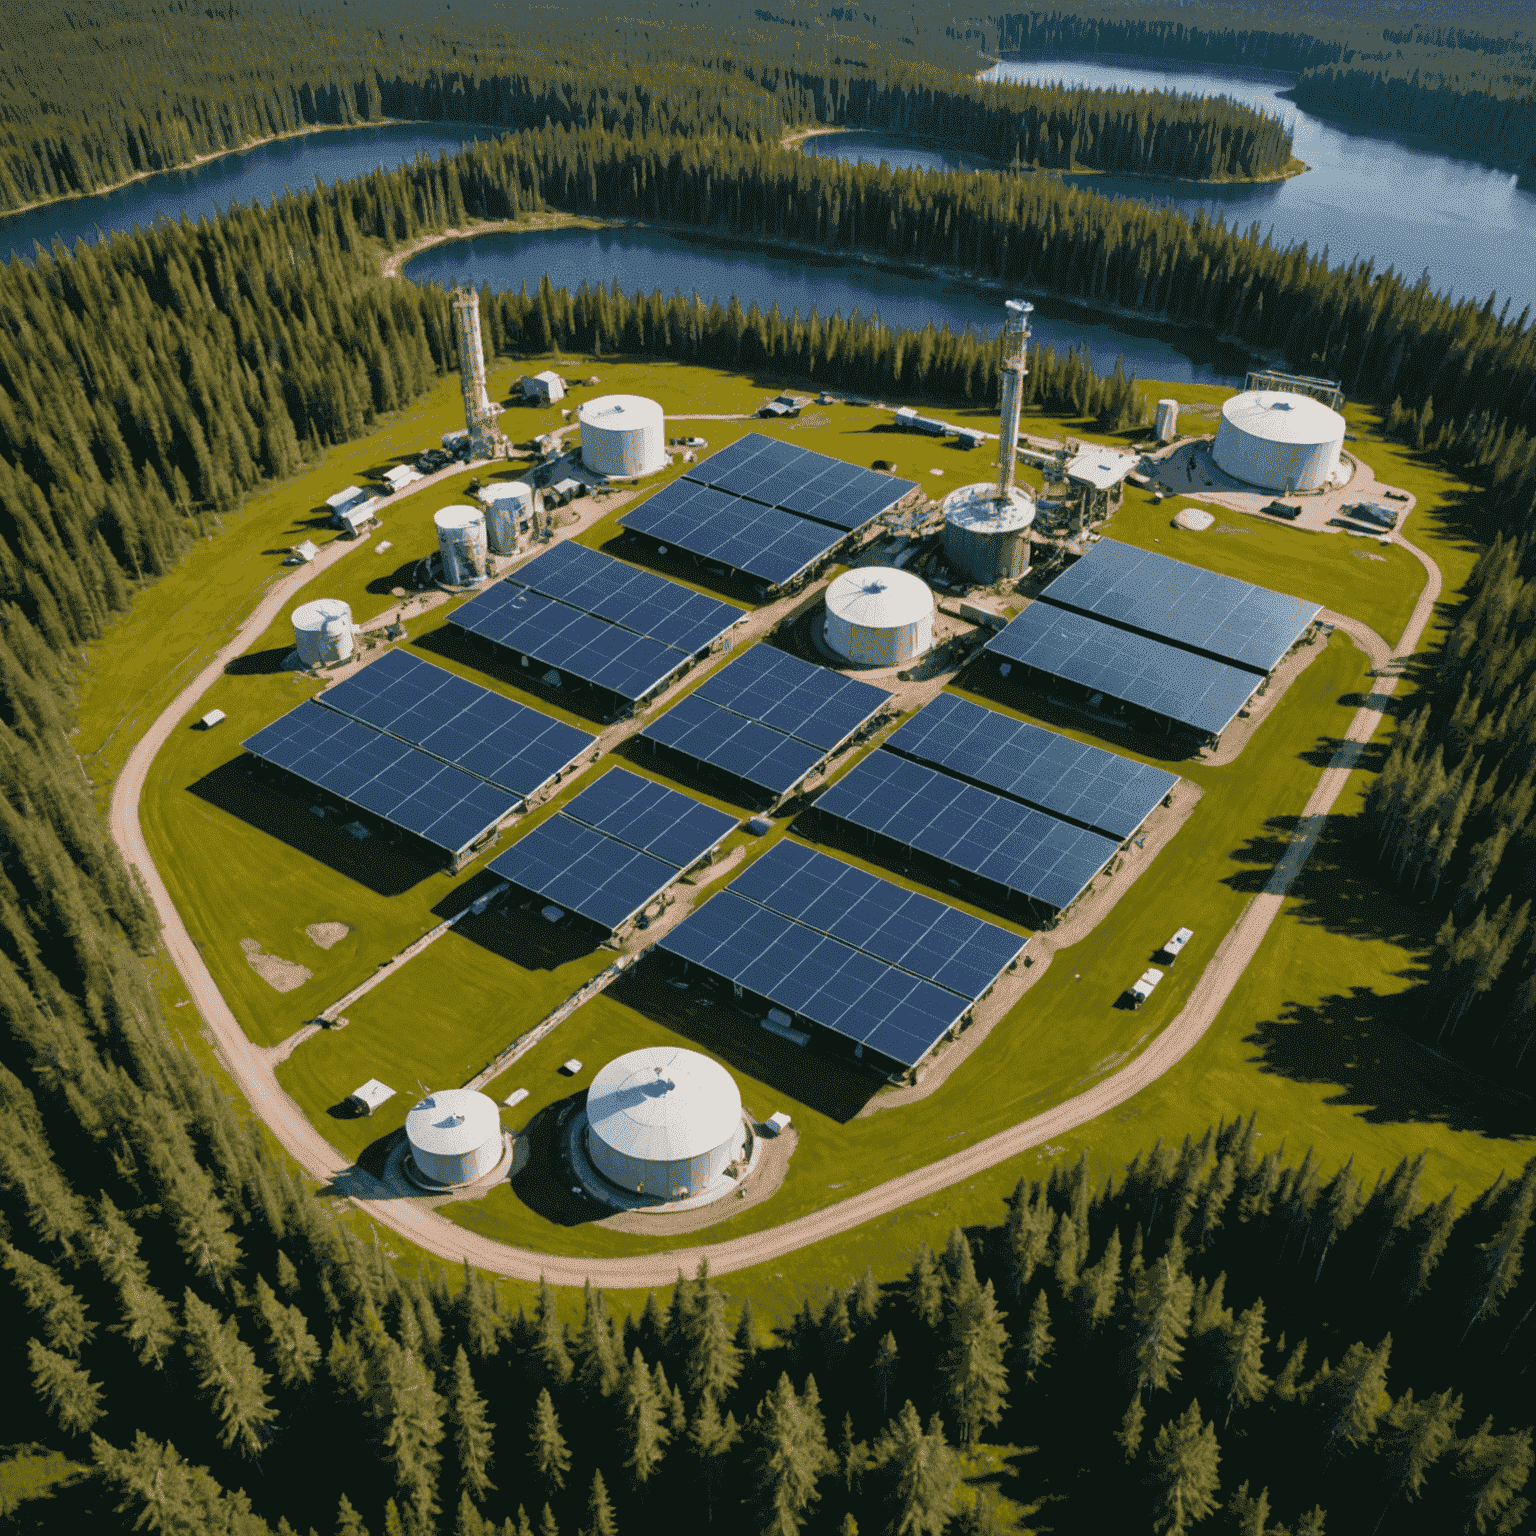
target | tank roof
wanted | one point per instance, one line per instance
(453, 1121)
(458, 517)
(505, 490)
(317, 610)
(879, 597)
(1279, 416)
(617, 411)
(663, 1104)
(978, 509)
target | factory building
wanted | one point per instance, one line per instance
(664, 1121)
(622, 435)
(322, 631)
(1286, 438)
(1097, 476)
(455, 1137)
(461, 544)
(879, 616)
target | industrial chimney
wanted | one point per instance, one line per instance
(480, 414)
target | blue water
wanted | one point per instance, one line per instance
(648, 259)
(1369, 196)
(255, 175)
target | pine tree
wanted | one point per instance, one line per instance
(1497, 1467)
(884, 1368)
(348, 1521)
(1240, 1374)
(836, 1330)
(919, 1472)
(547, 1449)
(1349, 1397)
(290, 1344)
(974, 1374)
(866, 1300)
(745, 1337)
(66, 1387)
(470, 1430)
(1128, 1436)
(925, 1295)
(1162, 1302)
(1184, 1475)
(710, 1362)
(1035, 1350)
(479, 1321)
(595, 1366)
(65, 1324)
(550, 1345)
(788, 1460)
(1247, 1515)
(227, 1375)
(710, 1438)
(645, 1435)
(600, 1519)
(1414, 1437)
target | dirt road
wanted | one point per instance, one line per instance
(253, 1071)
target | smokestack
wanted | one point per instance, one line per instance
(1013, 367)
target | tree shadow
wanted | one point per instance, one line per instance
(260, 663)
(707, 1015)
(387, 866)
(1362, 1042)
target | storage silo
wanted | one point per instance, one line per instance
(879, 616)
(461, 543)
(1167, 420)
(664, 1121)
(623, 435)
(455, 1137)
(322, 631)
(986, 536)
(1278, 441)
(508, 504)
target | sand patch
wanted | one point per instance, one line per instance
(279, 974)
(327, 934)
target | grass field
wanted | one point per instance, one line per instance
(1316, 1003)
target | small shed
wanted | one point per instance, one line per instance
(212, 718)
(1175, 946)
(571, 1067)
(1142, 989)
(400, 476)
(302, 554)
(547, 388)
(775, 408)
(352, 499)
(777, 1123)
(372, 1094)
(356, 521)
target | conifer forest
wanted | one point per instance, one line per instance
(1229, 1335)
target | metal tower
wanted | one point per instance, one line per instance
(1013, 367)
(486, 441)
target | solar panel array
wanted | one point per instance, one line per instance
(879, 965)
(1023, 850)
(1158, 596)
(1190, 689)
(614, 848)
(766, 507)
(768, 717)
(607, 623)
(1079, 783)
(387, 777)
(497, 739)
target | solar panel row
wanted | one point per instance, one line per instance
(1079, 783)
(1020, 849)
(614, 848)
(377, 773)
(763, 757)
(1190, 689)
(499, 740)
(1158, 596)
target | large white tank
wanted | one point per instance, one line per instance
(1167, 420)
(322, 631)
(461, 543)
(986, 536)
(879, 616)
(507, 503)
(455, 1136)
(1278, 441)
(623, 435)
(664, 1121)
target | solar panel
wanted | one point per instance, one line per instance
(797, 697)
(395, 781)
(495, 738)
(926, 937)
(764, 542)
(662, 822)
(1020, 849)
(1193, 690)
(637, 600)
(1066, 778)
(751, 751)
(1155, 595)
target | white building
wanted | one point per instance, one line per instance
(879, 616)
(623, 435)
(664, 1121)
(401, 476)
(548, 388)
(352, 500)
(1279, 441)
(455, 1137)
(322, 631)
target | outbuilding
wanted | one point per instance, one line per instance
(546, 388)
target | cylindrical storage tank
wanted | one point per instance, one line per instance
(986, 538)
(879, 616)
(507, 502)
(623, 435)
(322, 631)
(1278, 441)
(455, 1136)
(1167, 420)
(664, 1121)
(461, 543)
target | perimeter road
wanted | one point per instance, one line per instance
(253, 1072)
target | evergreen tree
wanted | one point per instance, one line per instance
(470, 1430)
(925, 1295)
(1496, 1467)
(710, 1439)
(348, 1521)
(886, 1363)
(975, 1377)
(290, 1344)
(1184, 1475)
(1161, 1304)
(711, 1361)
(789, 1457)
(550, 1344)
(1348, 1398)
(547, 1449)
(65, 1387)
(600, 1519)
(1035, 1351)
(59, 1307)
(1239, 1375)
(645, 1435)
(919, 1472)
(1414, 1437)
(595, 1366)
(227, 1375)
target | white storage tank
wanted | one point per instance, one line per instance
(507, 504)
(986, 536)
(1167, 420)
(455, 1137)
(623, 435)
(461, 543)
(1279, 441)
(664, 1121)
(879, 616)
(322, 631)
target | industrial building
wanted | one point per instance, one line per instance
(622, 436)
(322, 631)
(454, 1138)
(1140, 635)
(756, 728)
(1279, 440)
(461, 545)
(878, 616)
(986, 525)
(1097, 476)
(664, 1121)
